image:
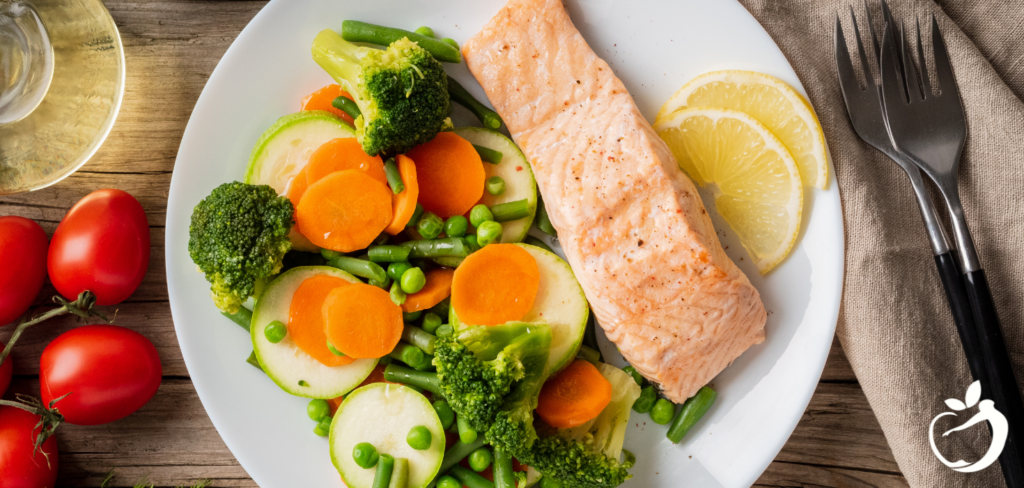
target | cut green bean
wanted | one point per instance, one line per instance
(467, 433)
(381, 239)
(437, 248)
(543, 222)
(451, 42)
(355, 31)
(400, 474)
(420, 338)
(505, 212)
(242, 317)
(663, 411)
(469, 479)
(388, 254)
(489, 155)
(425, 31)
(407, 376)
(411, 316)
(461, 96)
(441, 309)
(385, 466)
(444, 413)
(431, 321)
(503, 475)
(393, 176)
(329, 254)
(427, 365)
(345, 104)
(693, 409)
(459, 451)
(416, 214)
(589, 355)
(533, 241)
(645, 402)
(407, 354)
(383, 285)
(444, 330)
(495, 185)
(396, 293)
(254, 361)
(359, 267)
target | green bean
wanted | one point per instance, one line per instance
(456, 226)
(411, 316)
(444, 413)
(425, 31)
(388, 254)
(400, 474)
(381, 239)
(448, 482)
(645, 402)
(437, 248)
(461, 96)
(420, 338)
(430, 225)
(427, 365)
(637, 377)
(355, 31)
(445, 330)
(383, 285)
(317, 410)
(503, 475)
(663, 411)
(488, 233)
(543, 222)
(489, 155)
(459, 451)
(323, 427)
(504, 212)
(419, 438)
(693, 409)
(385, 466)
(329, 254)
(407, 376)
(275, 331)
(480, 459)
(407, 354)
(451, 42)
(395, 270)
(345, 104)
(397, 295)
(469, 479)
(431, 321)
(359, 267)
(242, 317)
(467, 433)
(415, 219)
(589, 355)
(480, 214)
(365, 455)
(393, 176)
(413, 280)
(441, 309)
(495, 185)
(254, 361)
(533, 241)
(334, 350)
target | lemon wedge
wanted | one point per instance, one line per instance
(768, 100)
(753, 177)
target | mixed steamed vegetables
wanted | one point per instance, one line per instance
(380, 259)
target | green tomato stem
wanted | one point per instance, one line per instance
(81, 306)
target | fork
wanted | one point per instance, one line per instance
(865, 109)
(930, 130)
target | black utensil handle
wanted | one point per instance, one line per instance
(960, 307)
(999, 368)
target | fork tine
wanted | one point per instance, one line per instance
(864, 66)
(921, 63)
(893, 90)
(844, 64)
(889, 20)
(912, 81)
(871, 30)
(944, 78)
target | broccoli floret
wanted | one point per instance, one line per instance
(402, 91)
(238, 237)
(574, 464)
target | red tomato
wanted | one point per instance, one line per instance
(20, 468)
(23, 252)
(102, 245)
(6, 372)
(110, 372)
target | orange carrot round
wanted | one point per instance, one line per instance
(362, 321)
(306, 323)
(575, 396)
(344, 211)
(450, 174)
(438, 287)
(341, 154)
(297, 188)
(322, 98)
(403, 205)
(494, 285)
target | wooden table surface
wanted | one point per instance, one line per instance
(171, 47)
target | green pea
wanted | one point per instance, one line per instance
(445, 413)
(334, 350)
(419, 438)
(430, 225)
(323, 427)
(275, 331)
(411, 316)
(451, 41)
(425, 31)
(646, 401)
(448, 482)
(549, 482)
(395, 270)
(456, 226)
(480, 459)
(480, 214)
(637, 377)
(495, 185)
(413, 280)
(431, 322)
(365, 455)
(317, 410)
(663, 412)
(488, 233)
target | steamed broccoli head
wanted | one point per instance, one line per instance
(402, 91)
(574, 464)
(239, 236)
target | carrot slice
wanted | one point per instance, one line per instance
(404, 204)
(341, 154)
(322, 98)
(575, 396)
(306, 323)
(450, 174)
(362, 321)
(297, 188)
(494, 285)
(344, 211)
(438, 287)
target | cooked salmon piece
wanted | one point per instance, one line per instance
(631, 223)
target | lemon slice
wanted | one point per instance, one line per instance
(770, 101)
(754, 179)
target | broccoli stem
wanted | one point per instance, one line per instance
(420, 379)
(693, 409)
(355, 31)
(345, 104)
(340, 59)
(470, 479)
(419, 338)
(461, 96)
(505, 212)
(503, 475)
(394, 176)
(360, 268)
(407, 354)
(388, 254)
(437, 248)
(242, 317)
(488, 155)
(459, 451)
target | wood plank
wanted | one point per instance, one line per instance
(837, 367)
(780, 474)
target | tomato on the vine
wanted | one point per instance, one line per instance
(19, 466)
(109, 371)
(23, 258)
(101, 245)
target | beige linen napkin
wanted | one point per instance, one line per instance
(895, 326)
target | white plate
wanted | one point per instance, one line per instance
(654, 47)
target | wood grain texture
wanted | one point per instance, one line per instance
(171, 47)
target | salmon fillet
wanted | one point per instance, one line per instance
(631, 223)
